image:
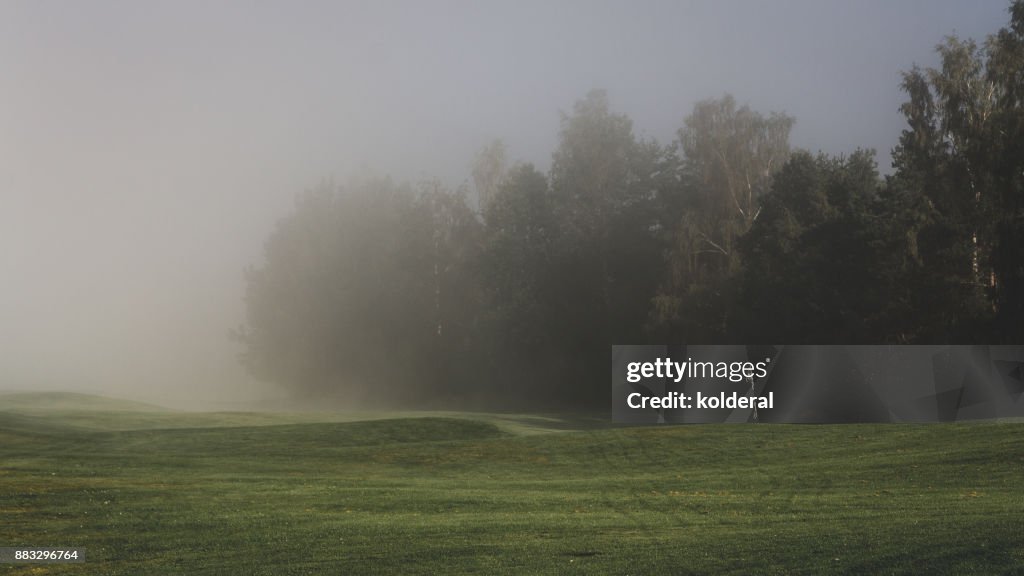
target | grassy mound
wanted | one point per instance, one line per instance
(69, 401)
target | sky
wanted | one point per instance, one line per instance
(148, 148)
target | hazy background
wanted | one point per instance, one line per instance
(146, 149)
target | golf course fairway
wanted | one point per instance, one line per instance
(149, 491)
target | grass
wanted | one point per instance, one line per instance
(450, 493)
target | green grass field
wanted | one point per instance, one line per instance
(147, 491)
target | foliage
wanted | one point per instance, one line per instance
(730, 155)
(811, 271)
(385, 293)
(362, 287)
(961, 161)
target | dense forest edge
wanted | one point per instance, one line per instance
(510, 291)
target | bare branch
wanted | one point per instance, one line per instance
(712, 242)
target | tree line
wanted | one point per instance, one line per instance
(388, 293)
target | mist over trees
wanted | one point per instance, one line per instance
(510, 294)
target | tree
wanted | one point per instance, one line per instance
(960, 161)
(518, 275)
(489, 171)
(520, 229)
(440, 239)
(815, 259)
(729, 157)
(313, 308)
(1005, 69)
(605, 254)
(367, 294)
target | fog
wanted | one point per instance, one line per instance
(147, 149)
